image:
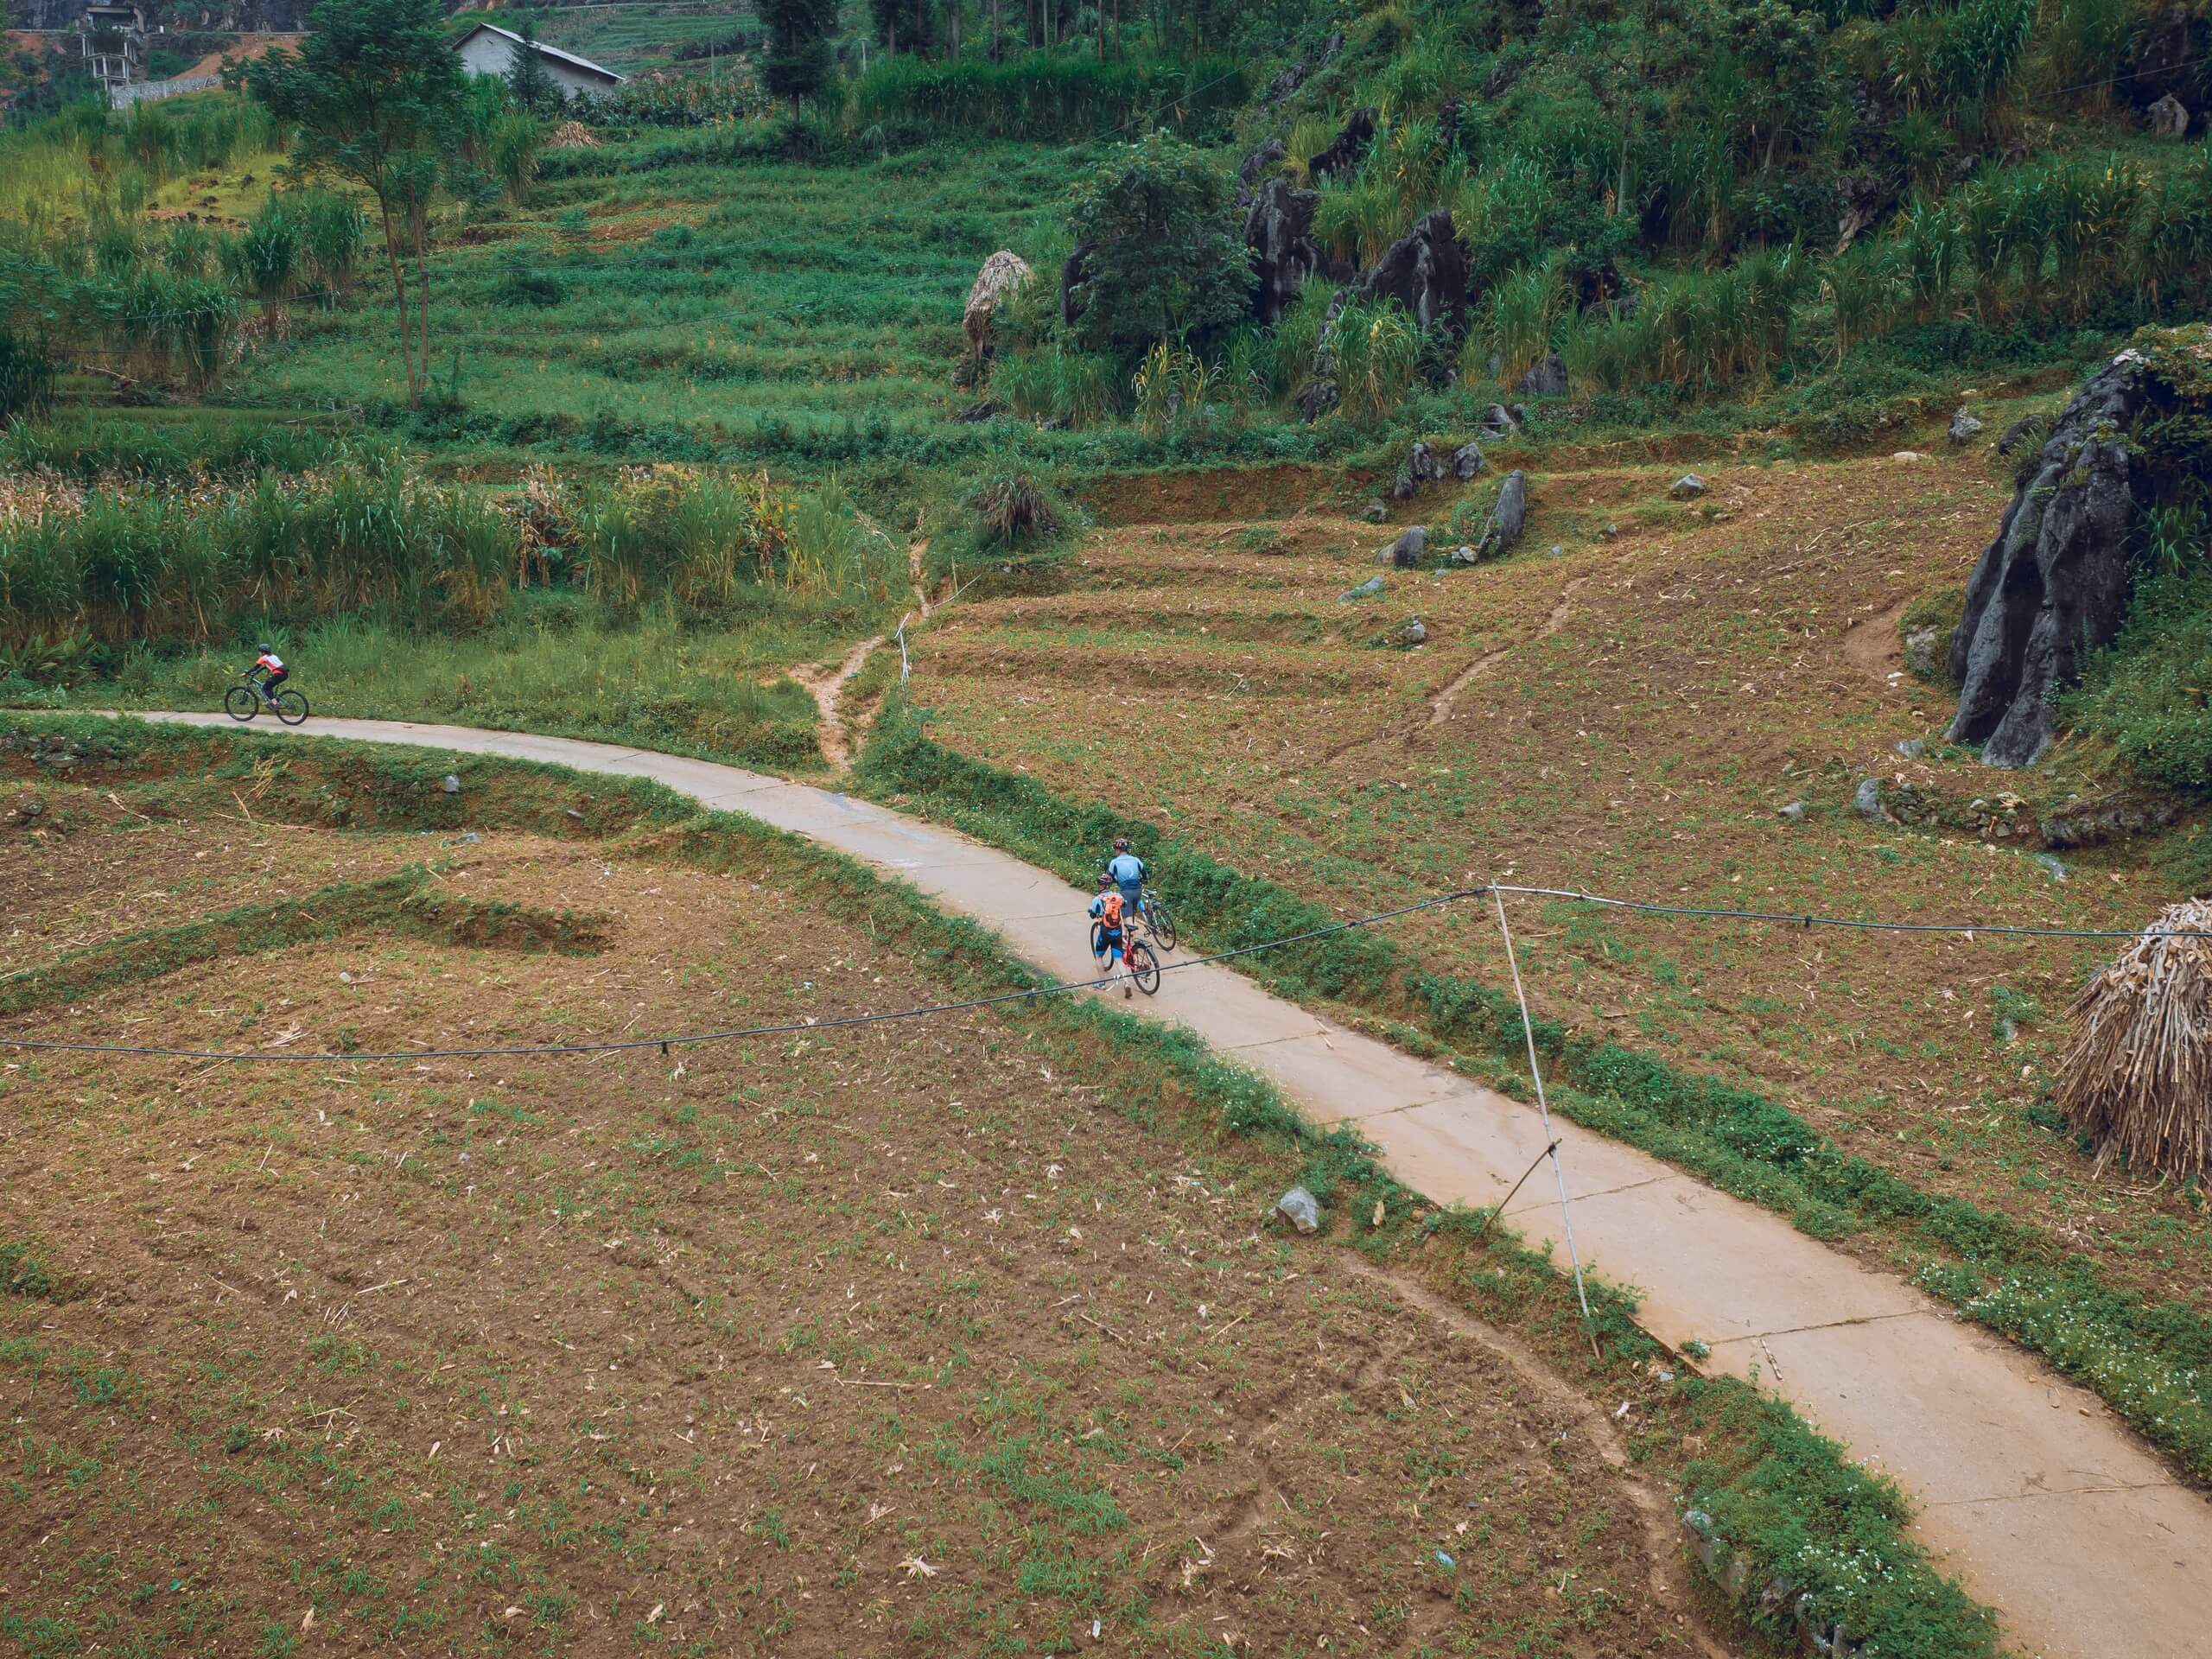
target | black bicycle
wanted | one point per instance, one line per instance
(243, 701)
(1158, 917)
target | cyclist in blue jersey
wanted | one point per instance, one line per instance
(1127, 871)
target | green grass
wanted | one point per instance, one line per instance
(653, 682)
(807, 314)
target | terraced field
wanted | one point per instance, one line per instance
(929, 1338)
(1623, 706)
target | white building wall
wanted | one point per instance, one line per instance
(486, 53)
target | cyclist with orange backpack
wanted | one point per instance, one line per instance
(1108, 937)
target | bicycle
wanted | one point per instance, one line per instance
(243, 701)
(1158, 917)
(1136, 955)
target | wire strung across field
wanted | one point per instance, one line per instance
(846, 1022)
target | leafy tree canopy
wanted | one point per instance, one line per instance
(1162, 259)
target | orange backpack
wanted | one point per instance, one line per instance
(1111, 915)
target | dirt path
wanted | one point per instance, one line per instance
(2045, 1506)
(1440, 709)
(1870, 644)
(828, 689)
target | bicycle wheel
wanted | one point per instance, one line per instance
(291, 707)
(1144, 968)
(241, 703)
(1097, 938)
(1162, 919)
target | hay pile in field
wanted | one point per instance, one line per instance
(1003, 273)
(26, 498)
(572, 135)
(2137, 1078)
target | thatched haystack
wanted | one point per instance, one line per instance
(2137, 1078)
(572, 135)
(1002, 274)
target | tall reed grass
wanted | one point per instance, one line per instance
(365, 535)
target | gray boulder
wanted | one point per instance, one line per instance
(1547, 379)
(1467, 461)
(1375, 513)
(1415, 631)
(1287, 81)
(1910, 748)
(2014, 434)
(1794, 812)
(2053, 868)
(2168, 117)
(1507, 519)
(1462, 554)
(1407, 551)
(1965, 428)
(1923, 653)
(1421, 467)
(1867, 800)
(1318, 399)
(452, 784)
(1687, 487)
(2056, 580)
(1366, 589)
(1347, 150)
(1278, 230)
(1498, 423)
(1261, 162)
(1426, 272)
(1300, 1209)
(1075, 284)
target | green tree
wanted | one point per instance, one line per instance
(373, 97)
(797, 64)
(530, 83)
(1162, 260)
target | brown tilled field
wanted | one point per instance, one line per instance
(897, 1341)
(1623, 706)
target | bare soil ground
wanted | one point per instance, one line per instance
(902, 1340)
(1627, 715)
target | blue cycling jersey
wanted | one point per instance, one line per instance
(1126, 870)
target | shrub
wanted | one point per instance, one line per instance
(1014, 510)
(26, 375)
(1377, 350)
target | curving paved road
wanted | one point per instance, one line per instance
(2030, 1490)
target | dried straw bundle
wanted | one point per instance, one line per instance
(1002, 273)
(572, 135)
(2137, 1078)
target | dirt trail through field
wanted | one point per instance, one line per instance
(829, 688)
(2026, 1486)
(1441, 710)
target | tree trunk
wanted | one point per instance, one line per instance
(418, 234)
(399, 293)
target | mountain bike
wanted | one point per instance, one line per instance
(1158, 917)
(1137, 955)
(243, 701)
